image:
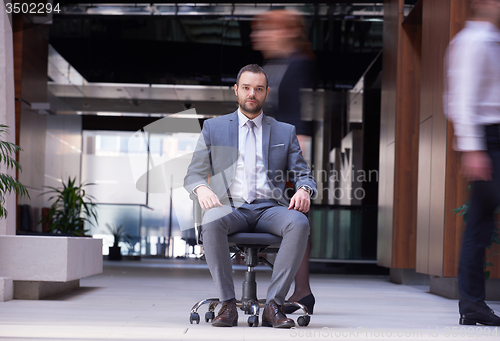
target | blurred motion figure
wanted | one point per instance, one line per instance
(473, 101)
(280, 36)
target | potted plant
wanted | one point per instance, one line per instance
(70, 209)
(119, 235)
(7, 182)
(131, 254)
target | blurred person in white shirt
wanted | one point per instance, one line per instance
(472, 102)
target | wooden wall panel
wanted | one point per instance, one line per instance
(435, 37)
(35, 64)
(456, 195)
(456, 185)
(406, 148)
(17, 124)
(17, 37)
(399, 137)
(31, 47)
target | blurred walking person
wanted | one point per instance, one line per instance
(290, 65)
(473, 101)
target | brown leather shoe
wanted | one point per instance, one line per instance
(273, 316)
(227, 316)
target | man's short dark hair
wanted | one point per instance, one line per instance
(254, 68)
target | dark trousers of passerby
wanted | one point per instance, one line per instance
(479, 230)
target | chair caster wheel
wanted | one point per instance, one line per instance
(194, 317)
(303, 320)
(209, 316)
(253, 321)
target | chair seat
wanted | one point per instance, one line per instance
(254, 238)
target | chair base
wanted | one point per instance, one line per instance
(250, 245)
(250, 307)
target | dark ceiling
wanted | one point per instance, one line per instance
(206, 50)
(347, 2)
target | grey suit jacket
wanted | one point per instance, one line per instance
(215, 158)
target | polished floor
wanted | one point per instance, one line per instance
(151, 299)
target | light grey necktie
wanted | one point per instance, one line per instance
(250, 163)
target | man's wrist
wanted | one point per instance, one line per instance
(195, 190)
(308, 189)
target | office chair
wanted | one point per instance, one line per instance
(249, 245)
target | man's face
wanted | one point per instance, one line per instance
(251, 92)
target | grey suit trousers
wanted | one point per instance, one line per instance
(260, 216)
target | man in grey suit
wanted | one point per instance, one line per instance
(239, 172)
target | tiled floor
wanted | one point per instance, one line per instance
(151, 300)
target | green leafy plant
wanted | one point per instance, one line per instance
(118, 233)
(463, 211)
(7, 182)
(70, 209)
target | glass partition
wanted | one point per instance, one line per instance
(343, 232)
(110, 160)
(115, 215)
(114, 161)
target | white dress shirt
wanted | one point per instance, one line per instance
(473, 80)
(238, 187)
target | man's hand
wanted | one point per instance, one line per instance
(476, 165)
(207, 198)
(300, 201)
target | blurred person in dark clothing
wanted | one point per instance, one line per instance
(290, 65)
(473, 104)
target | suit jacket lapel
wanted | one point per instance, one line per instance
(266, 138)
(233, 137)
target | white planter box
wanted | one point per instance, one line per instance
(49, 259)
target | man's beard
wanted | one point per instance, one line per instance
(257, 109)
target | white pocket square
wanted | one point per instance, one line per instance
(278, 145)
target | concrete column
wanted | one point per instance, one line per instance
(7, 108)
(6, 289)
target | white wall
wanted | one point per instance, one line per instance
(50, 158)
